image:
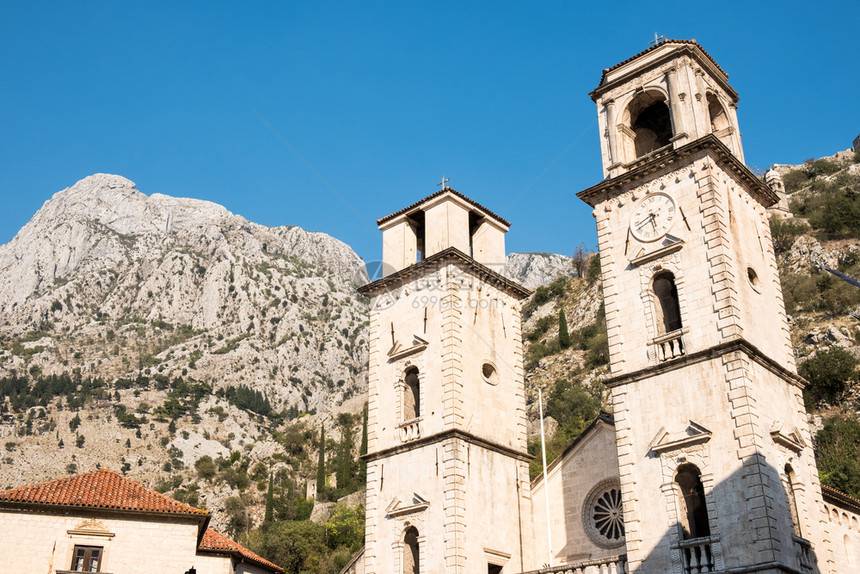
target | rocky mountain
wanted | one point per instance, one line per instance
(535, 269)
(111, 282)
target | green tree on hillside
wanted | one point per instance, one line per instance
(828, 373)
(838, 454)
(321, 485)
(563, 335)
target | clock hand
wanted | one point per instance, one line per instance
(646, 220)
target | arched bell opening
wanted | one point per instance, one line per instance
(649, 122)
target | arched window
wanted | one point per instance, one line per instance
(790, 481)
(411, 395)
(410, 551)
(717, 114)
(650, 122)
(693, 512)
(668, 308)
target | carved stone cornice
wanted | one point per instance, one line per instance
(450, 255)
(444, 435)
(735, 345)
(668, 158)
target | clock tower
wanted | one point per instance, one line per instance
(715, 456)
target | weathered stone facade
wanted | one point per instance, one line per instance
(447, 474)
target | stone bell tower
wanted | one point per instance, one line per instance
(447, 472)
(715, 456)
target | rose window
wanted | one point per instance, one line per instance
(603, 516)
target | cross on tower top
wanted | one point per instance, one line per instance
(443, 182)
(657, 39)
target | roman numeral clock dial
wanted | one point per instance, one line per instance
(653, 217)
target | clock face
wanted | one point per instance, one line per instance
(653, 217)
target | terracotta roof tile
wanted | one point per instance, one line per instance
(437, 194)
(102, 489)
(838, 495)
(215, 542)
(660, 43)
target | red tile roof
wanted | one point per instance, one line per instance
(839, 496)
(437, 194)
(219, 544)
(100, 489)
(660, 43)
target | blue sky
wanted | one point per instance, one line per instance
(328, 115)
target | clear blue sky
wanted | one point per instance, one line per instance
(328, 115)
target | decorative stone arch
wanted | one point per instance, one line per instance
(400, 547)
(653, 314)
(404, 370)
(787, 457)
(410, 390)
(697, 455)
(646, 123)
(667, 308)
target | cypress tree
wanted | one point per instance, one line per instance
(270, 498)
(344, 463)
(321, 486)
(563, 335)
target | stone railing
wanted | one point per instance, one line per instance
(669, 346)
(410, 430)
(610, 565)
(696, 555)
(803, 558)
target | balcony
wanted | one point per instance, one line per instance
(611, 565)
(696, 555)
(803, 557)
(409, 430)
(669, 346)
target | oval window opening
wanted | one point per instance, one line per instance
(490, 374)
(753, 278)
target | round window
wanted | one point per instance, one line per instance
(489, 373)
(603, 516)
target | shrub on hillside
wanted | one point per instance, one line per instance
(784, 232)
(828, 373)
(838, 454)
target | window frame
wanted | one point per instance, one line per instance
(87, 557)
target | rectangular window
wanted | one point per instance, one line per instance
(87, 559)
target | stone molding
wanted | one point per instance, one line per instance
(737, 344)
(448, 435)
(708, 145)
(437, 262)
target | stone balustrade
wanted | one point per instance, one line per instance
(696, 555)
(669, 346)
(804, 560)
(610, 565)
(410, 430)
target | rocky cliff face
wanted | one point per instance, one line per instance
(535, 269)
(113, 282)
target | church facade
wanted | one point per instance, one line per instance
(706, 462)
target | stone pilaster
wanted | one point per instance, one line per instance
(610, 288)
(713, 205)
(454, 479)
